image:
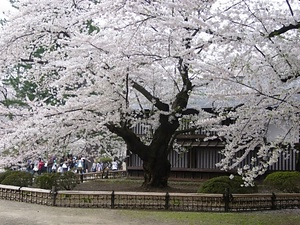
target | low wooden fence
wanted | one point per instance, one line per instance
(149, 200)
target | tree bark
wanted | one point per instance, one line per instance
(155, 156)
(156, 165)
(156, 172)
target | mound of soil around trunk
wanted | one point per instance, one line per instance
(136, 186)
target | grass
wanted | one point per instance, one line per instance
(208, 218)
(276, 217)
(273, 217)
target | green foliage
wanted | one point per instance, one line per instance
(64, 181)
(18, 178)
(9, 102)
(47, 180)
(218, 185)
(286, 181)
(39, 52)
(105, 159)
(27, 89)
(91, 27)
(5, 174)
(67, 181)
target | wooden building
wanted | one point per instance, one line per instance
(199, 162)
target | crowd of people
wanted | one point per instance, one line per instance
(76, 164)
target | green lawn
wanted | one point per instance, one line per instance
(279, 217)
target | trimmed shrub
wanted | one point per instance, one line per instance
(46, 180)
(67, 181)
(64, 181)
(217, 185)
(18, 178)
(285, 181)
(5, 174)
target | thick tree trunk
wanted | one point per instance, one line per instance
(155, 156)
(156, 171)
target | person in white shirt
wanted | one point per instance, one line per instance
(64, 167)
(114, 165)
(60, 169)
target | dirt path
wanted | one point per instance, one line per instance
(19, 213)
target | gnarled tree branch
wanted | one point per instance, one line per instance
(134, 144)
(284, 29)
(156, 101)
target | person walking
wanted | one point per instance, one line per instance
(41, 165)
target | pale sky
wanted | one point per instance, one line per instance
(4, 6)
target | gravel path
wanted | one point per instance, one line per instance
(19, 213)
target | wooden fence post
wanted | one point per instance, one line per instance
(113, 199)
(167, 201)
(227, 197)
(54, 194)
(20, 194)
(273, 201)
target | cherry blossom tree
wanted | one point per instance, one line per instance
(99, 68)
(264, 65)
